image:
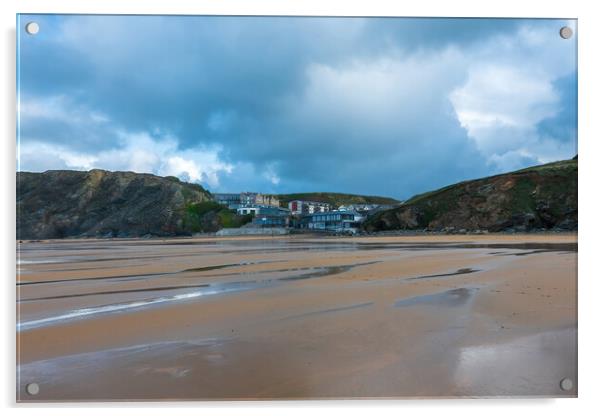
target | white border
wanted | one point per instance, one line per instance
(590, 135)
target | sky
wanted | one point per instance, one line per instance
(376, 106)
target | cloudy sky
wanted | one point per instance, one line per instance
(381, 106)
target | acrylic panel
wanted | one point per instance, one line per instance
(231, 207)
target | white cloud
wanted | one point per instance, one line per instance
(387, 92)
(119, 149)
(500, 107)
(196, 165)
(58, 108)
(39, 156)
(137, 152)
(178, 166)
(509, 89)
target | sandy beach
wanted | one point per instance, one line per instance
(297, 317)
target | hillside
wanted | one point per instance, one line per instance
(98, 203)
(336, 199)
(539, 197)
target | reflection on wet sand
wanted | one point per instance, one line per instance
(292, 317)
(531, 353)
(451, 297)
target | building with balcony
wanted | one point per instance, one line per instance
(336, 221)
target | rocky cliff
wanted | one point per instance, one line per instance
(536, 198)
(98, 203)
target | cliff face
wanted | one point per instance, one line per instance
(98, 203)
(540, 197)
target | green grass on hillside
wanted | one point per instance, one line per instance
(548, 168)
(336, 199)
(195, 214)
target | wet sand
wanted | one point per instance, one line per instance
(297, 317)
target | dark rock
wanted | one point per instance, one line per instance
(98, 203)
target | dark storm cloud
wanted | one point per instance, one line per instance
(291, 104)
(563, 126)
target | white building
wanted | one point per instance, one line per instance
(298, 207)
(249, 198)
(254, 210)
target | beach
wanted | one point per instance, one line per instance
(297, 317)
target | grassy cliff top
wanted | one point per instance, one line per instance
(537, 197)
(566, 166)
(336, 199)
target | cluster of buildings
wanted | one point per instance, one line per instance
(267, 212)
(265, 209)
(307, 207)
(246, 199)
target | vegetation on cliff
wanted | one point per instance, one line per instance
(99, 203)
(209, 216)
(336, 199)
(539, 197)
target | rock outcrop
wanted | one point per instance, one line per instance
(99, 203)
(538, 198)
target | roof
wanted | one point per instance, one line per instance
(309, 202)
(332, 213)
